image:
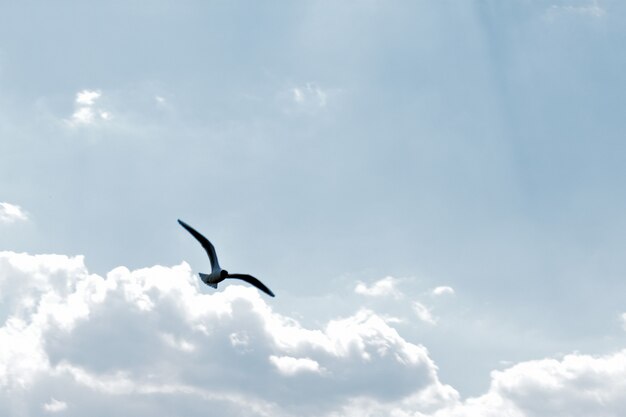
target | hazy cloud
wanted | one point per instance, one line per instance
(161, 101)
(308, 98)
(54, 406)
(309, 94)
(423, 313)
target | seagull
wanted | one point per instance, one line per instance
(218, 274)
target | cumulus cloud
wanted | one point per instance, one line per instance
(151, 339)
(382, 288)
(86, 110)
(10, 213)
(443, 290)
(152, 342)
(576, 386)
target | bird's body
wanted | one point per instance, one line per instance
(218, 274)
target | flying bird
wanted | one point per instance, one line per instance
(218, 274)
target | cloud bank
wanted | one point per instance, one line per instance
(152, 342)
(152, 337)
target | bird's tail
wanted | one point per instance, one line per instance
(206, 278)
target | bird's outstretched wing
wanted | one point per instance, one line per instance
(208, 246)
(252, 280)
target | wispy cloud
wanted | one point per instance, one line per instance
(424, 313)
(160, 100)
(592, 9)
(86, 110)
(10, 213)
(306, 98)
(309, 94)
(382, 288)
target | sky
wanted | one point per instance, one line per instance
(432, 189)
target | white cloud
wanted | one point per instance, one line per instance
(86, 112)
(10, 213)
(87, 97)
(384, 287)
(443, 290)
(154, 333)
(290, 366)
(576, 386)
(153, 342)
(623, 320)
(54, 406)
(423, 313)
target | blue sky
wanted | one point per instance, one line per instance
(438, 175)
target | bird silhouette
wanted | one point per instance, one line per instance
(218, 274)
